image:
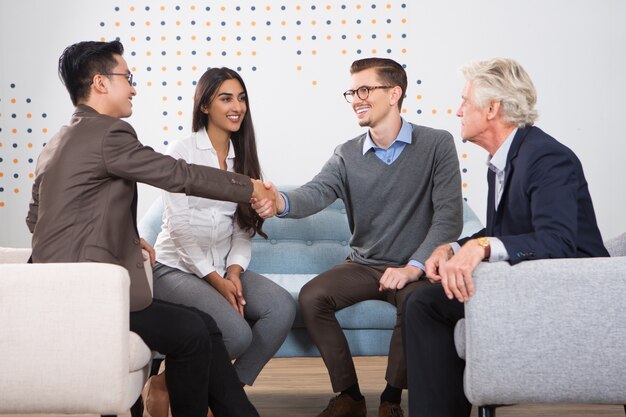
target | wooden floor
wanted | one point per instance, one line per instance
(299, 387)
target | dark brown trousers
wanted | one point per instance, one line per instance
(342, 286)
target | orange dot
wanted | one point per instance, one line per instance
(419, 96)
(180, 113)
(238, 53)
(179, 83)
(373, 21)
(314, 52)
(314, 82)
(193, 37)
(358, 7)
(148, 53)
(313, 22)
(373, 51)
(343, 21)
(147, 23)
(358, 36)
(133, 69)
(299, 68)
(117, 24)
(133, 39)
(404, 20)
(31, 175)
(464, 155)
(328, 37)
(449, 111)
(283, 23)
(464, 185)
(15, 161)
(164, 98)
(268, 8)
(13, 101)
(178, 23)
(14, 131)
(223, 8)
(165, 128)
(253, 53)
(268, 38)
(162, 8)
(28, 115)
(30, 145)
(163, 38)
(343, 51)
(209, 53)
(253, 23)
(178, 53)
(207, 23)
(404, 50)
(16, 190)
(163, 69)
(194, 68)
(388, 6)
(434, 111)
(132, 8)
(238, 23)
(298, 7)
(298, 37)
(328, 7)
(223, 38)
(1, 203)
(44, 130)
(102, 39)
(149, 83)
(389, 36)
(193, 7)
(1, 174)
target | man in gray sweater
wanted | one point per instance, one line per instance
(401, 187)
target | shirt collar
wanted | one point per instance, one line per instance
(498, 161)
(203, 142)
(404, 135)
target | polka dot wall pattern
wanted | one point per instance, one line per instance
(169, 45)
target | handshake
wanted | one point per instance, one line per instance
(266, 200)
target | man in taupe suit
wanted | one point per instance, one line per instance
(84, 208)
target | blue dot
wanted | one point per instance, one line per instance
(29, 130)
(464, 170)
(299, 52)
(419, 81)
(238, 38)
(253, 38)
(403, 6)
(147, 8)
(298, 22)
(404, 35)
(117, 9)
(223, 53)
(313, 7)
(388, 51)
(373, 36)
(282, 7)
(30, 160)
(208, 8)
(132, 23)
(343, 36)
(177, 7)
(162, 22)
(253, 68)
(388, 20)
(238, 68)
(268, 23)
(101, 24)
(44, 115)
(404, 66)
(179, 98)
(194, 82)
(465, 199)
(148, 68)
(343, 6)
(373, 6)
(14, 115)
(180, 128)
(28, 100)
(313, 37)
(148, 38)
(208, 39)
(164, 112)
(358, 21)
(1, 159)
(133, 53)
(223, 23)
(1, 189)
(178, 38)
(193, 22)
(253, 8)
(237, 8)
(16, 175)
(283, 37)
(164, 83)
(328, 22)
(165, 142)
(419, 111)
(178, 68)
(163, 53)
(193, 52)
(117, 38)
(358, 51)
(15, 145)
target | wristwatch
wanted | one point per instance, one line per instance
(483, 242)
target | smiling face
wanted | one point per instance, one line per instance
(228, 108)
(378, 105)
(120, 92)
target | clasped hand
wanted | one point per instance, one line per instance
(267, 207)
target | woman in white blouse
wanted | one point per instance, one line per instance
(204, 246)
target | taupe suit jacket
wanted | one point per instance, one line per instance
(84, 202)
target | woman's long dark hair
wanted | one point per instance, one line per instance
(243, 140)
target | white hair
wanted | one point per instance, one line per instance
(503, 80)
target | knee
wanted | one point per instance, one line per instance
(195, 338)
(312, 296)
(237, 338)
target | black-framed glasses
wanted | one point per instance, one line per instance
(129, 76)
(362, 92)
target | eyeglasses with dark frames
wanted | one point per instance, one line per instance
(129, 76)
(362, 92)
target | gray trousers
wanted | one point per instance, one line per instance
(253, 340)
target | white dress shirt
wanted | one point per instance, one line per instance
(200, 235)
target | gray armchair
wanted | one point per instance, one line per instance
(547, 331)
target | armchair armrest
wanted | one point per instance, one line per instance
(547, 331)
(64, 339)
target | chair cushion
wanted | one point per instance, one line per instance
(139, 352)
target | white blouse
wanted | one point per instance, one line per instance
(199, 235)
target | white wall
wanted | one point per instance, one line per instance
(573, 50)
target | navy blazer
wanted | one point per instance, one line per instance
(545, 210)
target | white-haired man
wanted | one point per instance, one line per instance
(538, 207)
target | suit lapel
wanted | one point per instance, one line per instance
(491, 200)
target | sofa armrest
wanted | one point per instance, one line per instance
(64, 337)
(547, 331)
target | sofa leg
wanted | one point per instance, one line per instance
(487, 411)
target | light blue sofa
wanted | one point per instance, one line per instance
(299, 249)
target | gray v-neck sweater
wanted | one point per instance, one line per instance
(396, 212)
